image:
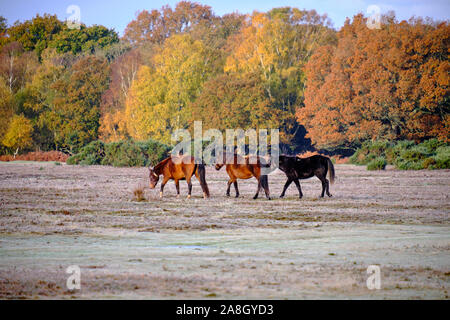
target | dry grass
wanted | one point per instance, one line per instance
(138, 193)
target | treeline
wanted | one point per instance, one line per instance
(62, 88)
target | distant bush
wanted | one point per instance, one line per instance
(379, 163)
(369, 151)
(90, 154)
(405, 155)
(121, 154)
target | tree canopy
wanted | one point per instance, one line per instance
(286, 68)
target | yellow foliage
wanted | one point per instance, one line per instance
(18, 135)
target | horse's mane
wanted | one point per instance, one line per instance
(160, 165)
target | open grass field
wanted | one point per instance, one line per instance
(54, 216)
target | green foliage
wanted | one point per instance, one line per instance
(91, 154)
(85, 39)
(121, 154)
(442, 158)
(405, 155)
(379, 163)
(370, 150)
(35, 34)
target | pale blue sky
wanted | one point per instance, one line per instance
(117, 14)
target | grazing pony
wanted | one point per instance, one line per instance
(181, 167)
(242, 168)
(297, 168)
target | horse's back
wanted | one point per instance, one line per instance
(310, 166)
(178, 167)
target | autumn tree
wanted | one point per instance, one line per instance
(390, 84)
(73, 116)
(160, 98)
(18, 134)
(6, 108)
(228, 101)
(124, 71)
(276, 45)
(158, 25)
(16, 66)
(35, 34)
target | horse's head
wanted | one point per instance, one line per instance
(154, 178)
(219, 166)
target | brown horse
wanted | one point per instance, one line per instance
(178, 168)
(242, 168)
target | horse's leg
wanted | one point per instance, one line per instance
(163, 183)
(228, 187)
(297, 183)
(328, 188)
(286, 185)
(189, 183)
(324, 184)
(236, 188)
(177, 185)
(259, 189)
(265, 185)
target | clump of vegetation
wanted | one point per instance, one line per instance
(378, 163)
(121, 154)
(38, 156)
(138, 193)
(404, 155)
(91, 154)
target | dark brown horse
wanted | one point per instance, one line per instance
(178, 168)
(245, 167)
(297, 168)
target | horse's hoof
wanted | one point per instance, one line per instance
(269, 198)
(228, 194)
(282, 196)
(255, 197)
(189, 196)
(236, 196)
(330, 195)
(160, 195)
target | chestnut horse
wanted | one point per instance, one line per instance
(242, 168)
(178, 168)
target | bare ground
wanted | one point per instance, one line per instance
(53, 216)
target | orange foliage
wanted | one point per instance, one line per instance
(390, 83)
(38, 156)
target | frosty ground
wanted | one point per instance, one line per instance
(53, 216)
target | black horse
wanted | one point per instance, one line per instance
(297, 168)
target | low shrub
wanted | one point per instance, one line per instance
(121, 154)
(90, 154)
(405, 155)
(379, 163)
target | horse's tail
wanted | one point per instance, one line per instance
(331, 170)
(202, 178)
